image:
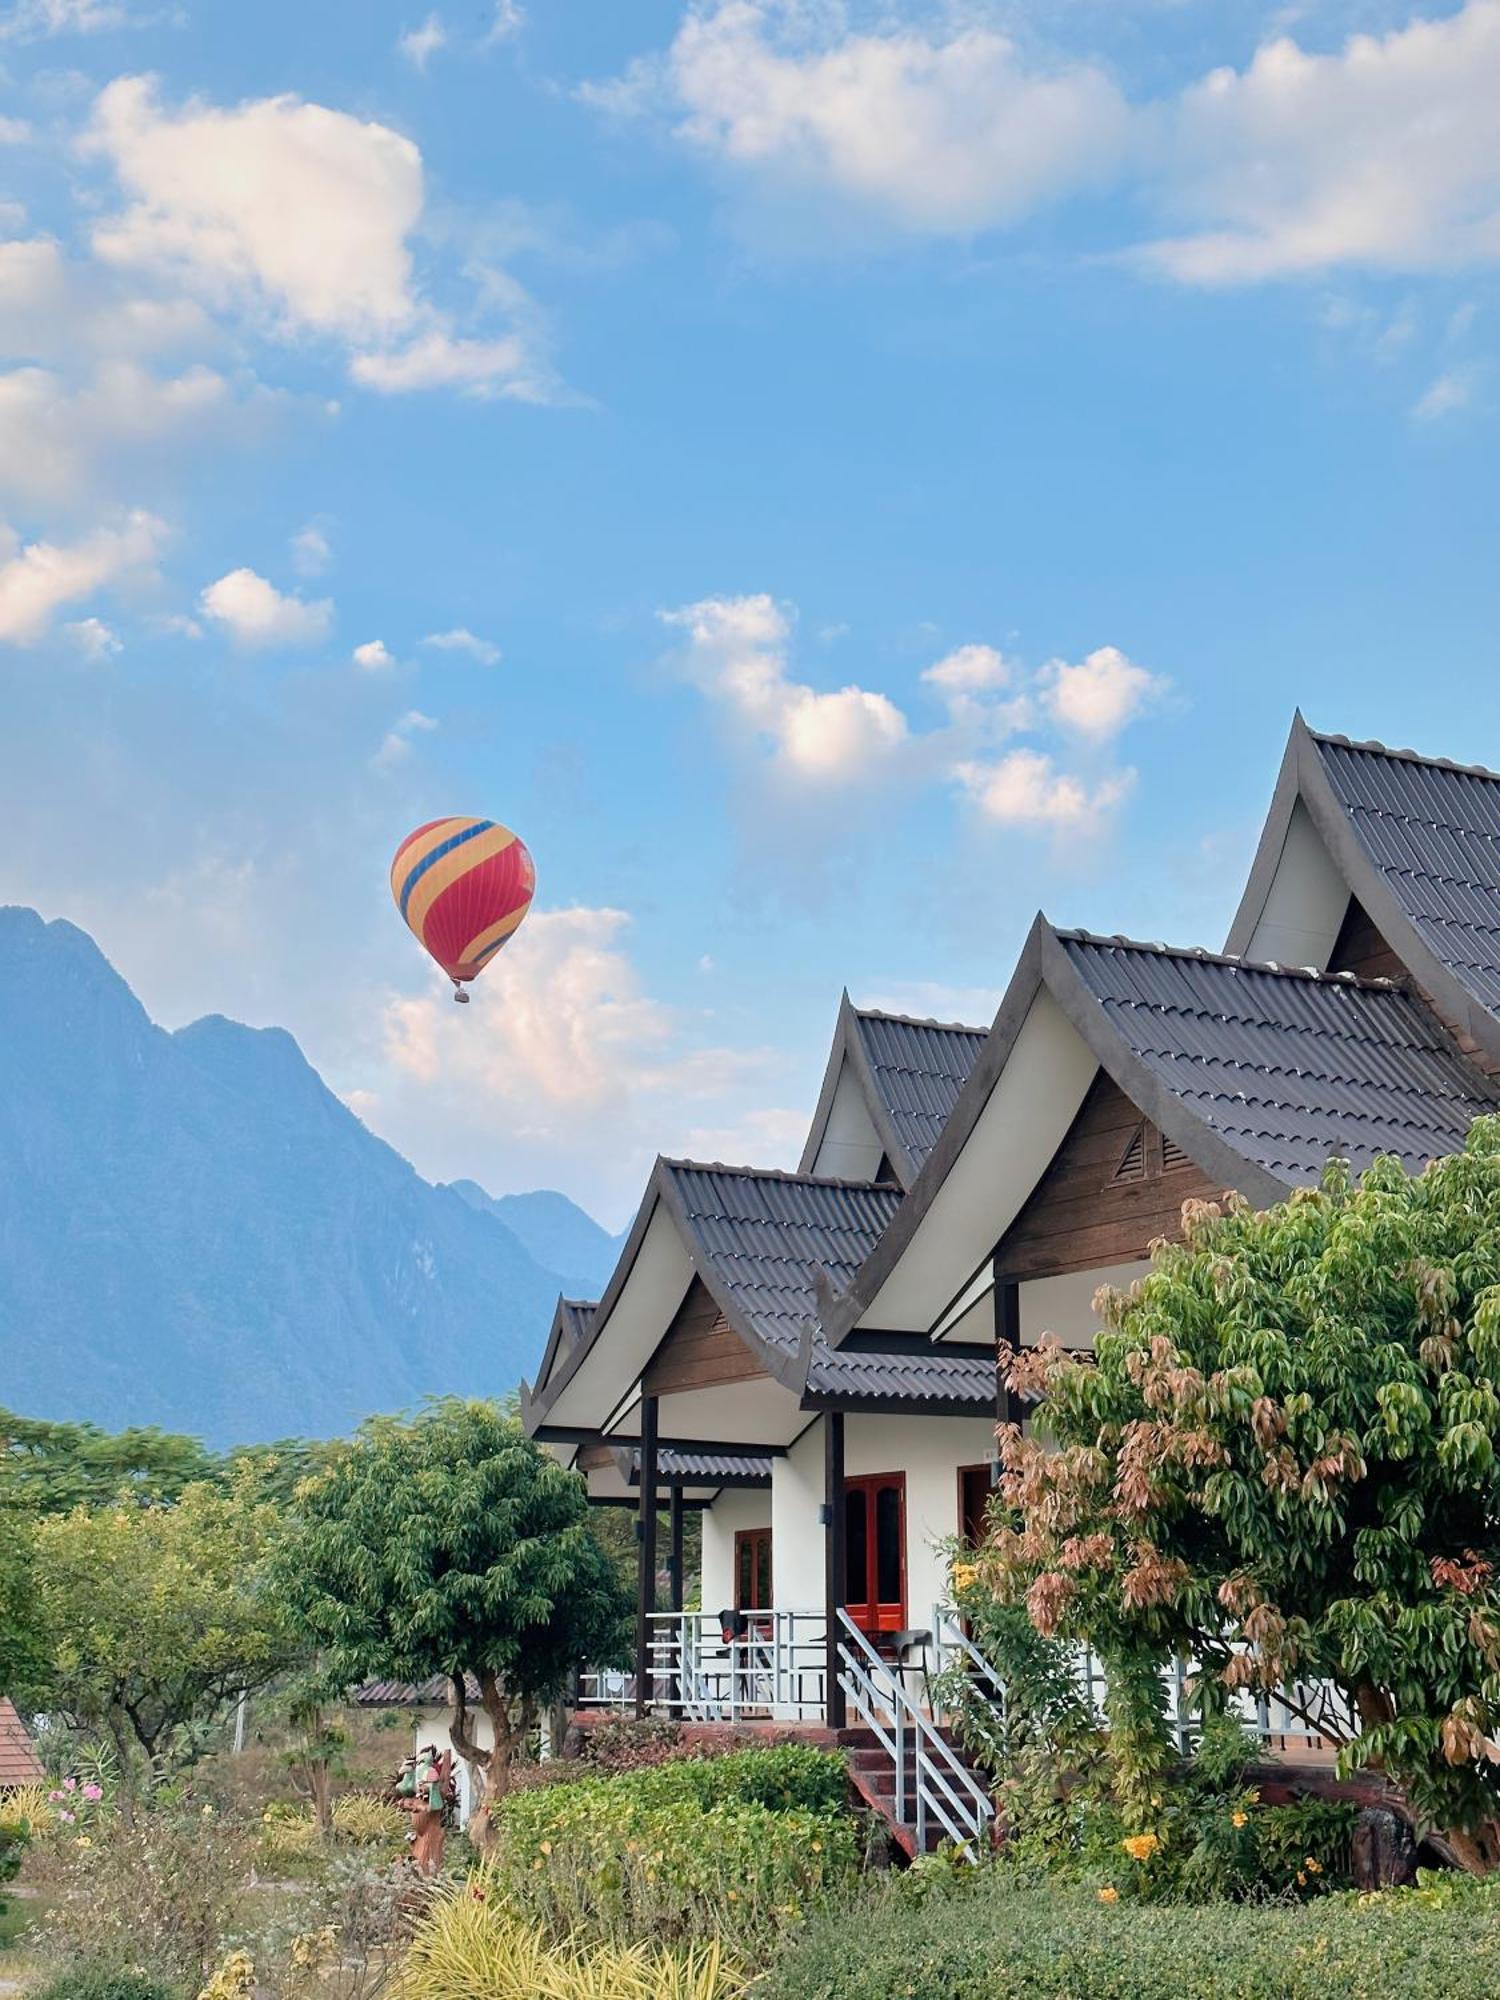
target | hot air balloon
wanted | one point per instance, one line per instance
(463, 886)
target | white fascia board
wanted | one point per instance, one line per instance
(1298, 922)
(1025, 1119)
(640, 1315)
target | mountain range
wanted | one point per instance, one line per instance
(195, 1232)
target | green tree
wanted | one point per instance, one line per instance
(156, 1619)
(450, 1544)
(49, 1468)
(1282, 1464)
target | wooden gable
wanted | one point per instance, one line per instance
(1113, 1185)
(700, 1350)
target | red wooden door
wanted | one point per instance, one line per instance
(752, 1569)
(875, 1551)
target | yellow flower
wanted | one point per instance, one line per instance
(1253, 1797)
(83, 1841)
(964, 1575)
(1109, 1895)
(1301, 1878)
(1140, 1846)
(817, 1847)
(1239, 1819)
(1313, 1865)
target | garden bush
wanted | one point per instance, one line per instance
(984, 1941)
(469, 1948)
(103, 1982)
(732, 1847)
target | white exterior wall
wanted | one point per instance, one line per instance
(929, 1450)
(737, 1508)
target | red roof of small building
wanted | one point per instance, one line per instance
(19, 1763)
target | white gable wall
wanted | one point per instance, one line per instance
(850, 1149)
(1304, 907)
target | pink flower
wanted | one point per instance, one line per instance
(53, 1797)
(70, 1784)
(67, 1817)
(92, 1792)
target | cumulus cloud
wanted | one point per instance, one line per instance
(563, 1039)
(1384, 154)
(1025, 788)
(948, 132)
(54, 433)
(39, 578)
(302, 216)
(1451, 391)
(255, 613)
(36, 20)
(1381, 154)
(461, 640)
(1099, 695)
(374, 656)
(736, 651)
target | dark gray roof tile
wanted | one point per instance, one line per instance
(919, 1068)
(1289, 1067)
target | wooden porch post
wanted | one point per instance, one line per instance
(835, 1590)
(646, 1531)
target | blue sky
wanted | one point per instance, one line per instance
(836, 478)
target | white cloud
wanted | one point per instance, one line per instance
(509, 19)
(440, 360)
(37, 580)
(947, 132)
(420, 45)
(312, 551)
(374, 656)
(969, 670)
(461, 640)
(35, 20)
(1025, 788)
(302, 216)
(1452, 390)
(1099, 695)
(255, 613)
(736, 652)
(396, 745)
(94, 639)
(930, 1000)
(1385, 154)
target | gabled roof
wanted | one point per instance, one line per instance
(1288, 1068)
(1417, 841)
(19, 1762)
(1259, 1074)
(765, 1245)
(572, 1320)
(908, 1074)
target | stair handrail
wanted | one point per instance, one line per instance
(938, 1774)
(952, 1638)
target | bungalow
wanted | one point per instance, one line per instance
(809, 1357)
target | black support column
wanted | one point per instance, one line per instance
(1007, 1343)
(835, 1582)
(646, 1532)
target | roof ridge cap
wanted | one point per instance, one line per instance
(777, 1174)
(1204, 956)
(1374, 747)
(917, 1021)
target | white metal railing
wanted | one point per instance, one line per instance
(933, 1784)
(765, 1664)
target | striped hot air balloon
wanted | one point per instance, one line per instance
(463, 886)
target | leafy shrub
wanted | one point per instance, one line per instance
(631, 1745)
(14, 1840)
(733, 1847)
(289, 1837)
(990, 1943)
(467, 1948)
(103, 1982)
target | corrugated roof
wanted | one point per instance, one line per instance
(919, 1068)
(1288, 1067)
(763, 1239)
(1432, 829)
(576, 1316)
(708, 1466)
(19, 1763)
(436, 1692)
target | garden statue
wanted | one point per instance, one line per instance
(425, 1789)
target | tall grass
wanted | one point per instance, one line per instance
(469, 1948)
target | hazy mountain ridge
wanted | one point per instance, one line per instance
(194, 1231)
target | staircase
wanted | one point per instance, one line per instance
(908, 1767)
(872, 1772)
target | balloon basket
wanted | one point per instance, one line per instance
(460, 997)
